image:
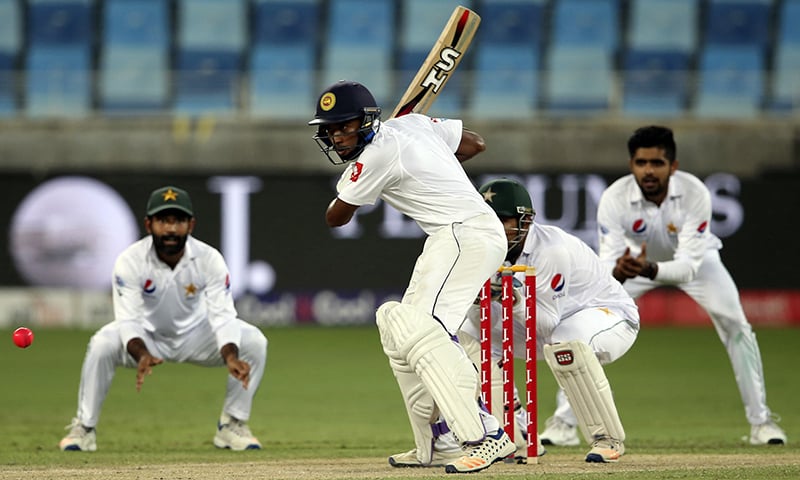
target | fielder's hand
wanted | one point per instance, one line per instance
(146, 364)
(239, 369)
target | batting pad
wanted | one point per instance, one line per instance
(581, 376)
(444, 369)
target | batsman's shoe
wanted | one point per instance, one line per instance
(438, 459)
(234, 434)
(768, 433)
(79, 438)
(605, 450)
(559, 433)
(478, 457)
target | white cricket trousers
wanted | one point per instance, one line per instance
(106, 352)
(715, 291)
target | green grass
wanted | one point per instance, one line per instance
(329, 393)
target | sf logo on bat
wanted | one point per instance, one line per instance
(438, 73)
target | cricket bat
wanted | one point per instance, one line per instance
(442, 60)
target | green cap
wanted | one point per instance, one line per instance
(166, 198)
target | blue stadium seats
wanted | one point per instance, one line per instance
(506, 82)
(655, 83)
(133, 79)
(10, 47)
(137, 23)
(738, 22)
(586, 23)
(664, 25)
(285, 22)
(359, 45)
(731, 82)
(61, 23)
(512, 22)
(134, 56)
(282, 81)
(579, 80)
(58, 82)
(786, 80)
(207, 82)
(8, 94)
(212, 25)
(788, 21)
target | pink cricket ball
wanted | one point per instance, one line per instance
(23, 337)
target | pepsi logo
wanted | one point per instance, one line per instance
(149, 286)
(557, 282)
(702, 227)
(639, 226)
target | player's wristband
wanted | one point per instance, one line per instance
(650, 270)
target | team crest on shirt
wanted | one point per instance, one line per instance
(639, 226)
(149, 287)
(191, 290)
(672, 230)
(557, 283)
(356, 170)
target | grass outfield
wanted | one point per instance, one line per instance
(329, 408)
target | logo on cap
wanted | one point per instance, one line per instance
(170, 195)
(327, 101)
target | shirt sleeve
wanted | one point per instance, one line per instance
(692, 241)
(610, 231)
(127, 299)
(221, 310)
(450, 130)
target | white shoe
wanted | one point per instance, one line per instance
(768, 433)
(439, 459)
(79, 438)
(234, 434)
(559, 433)
(492, 449)
(605, 450)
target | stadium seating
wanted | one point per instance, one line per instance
(134, 56)
(282, 81)
(61, 23)
(10, 46)
(58, 82)
(664, 25)
(586, 23)
(731, 82)
(655, 83)
(738, 22)
(359, 46)
(211, 41)
(785, 85)
(579, 80)
(507, 59)
(285, 22)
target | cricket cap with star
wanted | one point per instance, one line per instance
(169, 198)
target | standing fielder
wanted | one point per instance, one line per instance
(413, 163)
(579, 308)
(654, 228)
(172, 302)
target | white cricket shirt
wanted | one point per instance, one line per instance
(678, 232)
(150, 296)
(411, 165)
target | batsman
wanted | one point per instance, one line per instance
(413, 163)
(584, 320)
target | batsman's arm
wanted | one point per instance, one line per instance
(471, 145)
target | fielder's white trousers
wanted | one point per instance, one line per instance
(106, 352)
(715, 291)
